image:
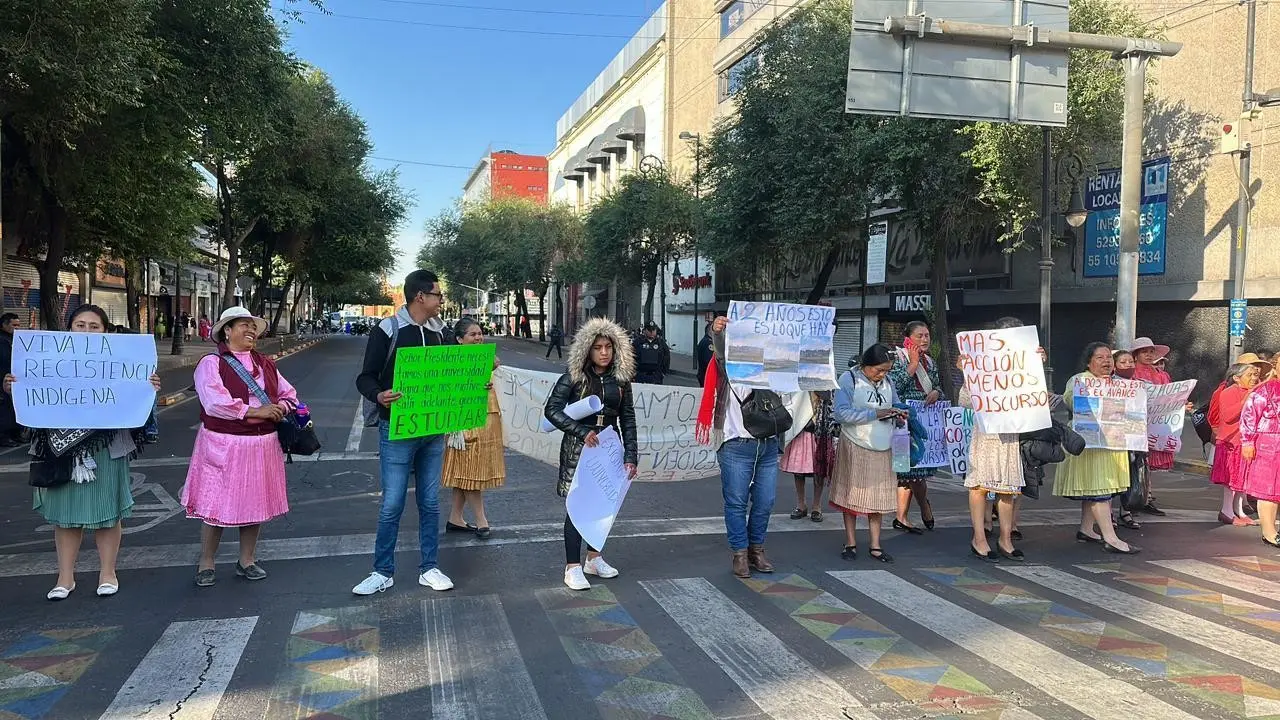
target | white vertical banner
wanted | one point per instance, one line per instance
(877, 252)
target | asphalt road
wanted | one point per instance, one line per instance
(1187, 629)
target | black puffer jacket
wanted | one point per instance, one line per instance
(613, 388)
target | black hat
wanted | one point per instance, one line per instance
(651, 325)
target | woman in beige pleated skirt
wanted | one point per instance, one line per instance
(473, 460)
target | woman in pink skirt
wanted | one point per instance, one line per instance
(236, 478)
(1224, 414)
(1260, 454)
(811, 454)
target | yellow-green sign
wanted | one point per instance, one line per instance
(443, 389)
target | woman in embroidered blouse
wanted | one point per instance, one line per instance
(98, 501)
(915, 377)
(237, 478)
(1260, 453)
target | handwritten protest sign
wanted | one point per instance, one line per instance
(443, 389)
(93, 381)
(1110, 413)
(599, 487)
(933, 418)
(959, 435)
(1005, 376)
(780, 346)
(665, 421)
(1166, 414)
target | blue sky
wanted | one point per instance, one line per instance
(444, 95)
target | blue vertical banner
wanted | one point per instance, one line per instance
(1102, 230)
(1239, 317)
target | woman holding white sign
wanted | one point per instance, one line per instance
(97, 496)
(236, 478)
(1096, 475)
(601, 363)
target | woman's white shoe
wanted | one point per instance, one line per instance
(598, 567)
(108, 589)
(60, 593)
(574, 578)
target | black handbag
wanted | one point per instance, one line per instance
(50, 472)
(295, 438)
(763, 414)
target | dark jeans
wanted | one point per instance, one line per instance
(554, 346)
(749, 482)
(573, 543)
(398, 459)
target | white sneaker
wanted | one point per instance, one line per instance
(375, 583)
(598, 567)
(435, 580)
(574, 578)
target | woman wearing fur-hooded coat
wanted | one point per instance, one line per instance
(601, 363)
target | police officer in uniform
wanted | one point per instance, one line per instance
(653, 357)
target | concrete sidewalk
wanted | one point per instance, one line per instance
(195, 349)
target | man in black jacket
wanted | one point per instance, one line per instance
(9, 430)
(414, 325)
(653, 357)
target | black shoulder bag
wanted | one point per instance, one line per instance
(764, 415)
(294, 439)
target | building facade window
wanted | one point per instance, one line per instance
(733, 16)
(730, 81)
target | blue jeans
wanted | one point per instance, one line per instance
(748, 474)
(424, 457)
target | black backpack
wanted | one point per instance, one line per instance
(763, 414)
(1200, 421)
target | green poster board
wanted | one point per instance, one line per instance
(443, 389)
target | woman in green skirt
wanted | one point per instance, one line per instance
(1096, 475)
(98, 497)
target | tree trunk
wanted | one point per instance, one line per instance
(51, 314)
(522, 313)
(824, 276)
(284, 294)
(132, 280)
(542, 303)
(297, 300)
(938, 277)
(176, 321)
(231, 237)
(264, 281)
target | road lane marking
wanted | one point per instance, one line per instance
(473, 663)
(1222, 576)
(331, 666)
(186, 672)
(781, 683)
(357, 428)
(1059, 676)
(1181, 592)
(1228, 641)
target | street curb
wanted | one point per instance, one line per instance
(177, 397)
(1195, 467)
(296, 350)
(171, 398)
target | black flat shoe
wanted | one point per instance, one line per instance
(798, 513)
(878, 554)
(1151, 509)
(907, 528)
(1016, 555)
(1126, 520)
(1081, 537)
(928, 521)
(482, 533)
(1272, 543)
(452, 527)
(989, 556)
(850, 552)
(1133, 549)
(1015, 535)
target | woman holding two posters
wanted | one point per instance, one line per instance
(236, 478)
(601, 363)
(473, 460)
(1096, 475)
(915, 377)
(99, 497)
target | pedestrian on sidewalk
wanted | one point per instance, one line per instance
(416, 324)
(600, 364)
(205, 328)
(748, 461)
(555, 338)
(237, 478)
(99, 495)
(473, 460)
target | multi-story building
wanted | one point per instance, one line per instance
(507, 174)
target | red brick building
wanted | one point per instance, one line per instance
(506, 174)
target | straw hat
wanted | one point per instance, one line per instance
(1143, 343)
(1253, 359)
(236, 313)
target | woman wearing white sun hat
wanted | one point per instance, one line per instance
(1146, 353)
(237, 477)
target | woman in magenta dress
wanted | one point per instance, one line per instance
(1224, 414)
(1260, 454)
(236, 478)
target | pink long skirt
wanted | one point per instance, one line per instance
(235, 480)
(1228, 468)
(799, 456)
(1262, 474)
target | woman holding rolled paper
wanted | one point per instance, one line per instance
(92, 467)
(602, 364)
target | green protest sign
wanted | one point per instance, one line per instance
(443, 389)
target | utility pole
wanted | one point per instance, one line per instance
(1246, 192)
(1135, 86)
(1046, 250)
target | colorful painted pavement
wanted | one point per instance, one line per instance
(914, 673)
(622, 670)
(1193, 596)
(331, 667)
(1265, 567)
(1238, 695)
(38, 669)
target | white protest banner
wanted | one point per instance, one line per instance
(93, 381)
(1166, 414)
(959, 435)
(780, 346)
(599, 486)
(1110, 413)
(933, 418)
(1005, 377)
(666, 417)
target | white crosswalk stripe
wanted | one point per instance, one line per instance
(755, 646)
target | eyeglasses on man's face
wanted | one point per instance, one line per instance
(436, 294)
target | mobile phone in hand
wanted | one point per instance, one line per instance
(908, 343)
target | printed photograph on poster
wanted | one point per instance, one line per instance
(1005, 377)
(959, 435)
(1167, 414)
(933, 419)
(1110, 413)
(780, 346)
(95, 381)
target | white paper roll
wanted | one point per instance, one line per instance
(585, 407)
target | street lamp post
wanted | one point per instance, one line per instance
(1075, 216)
(697, 191)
